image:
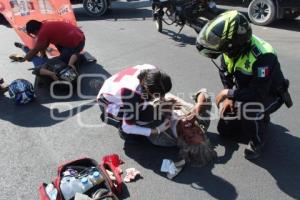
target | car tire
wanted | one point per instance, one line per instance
(262, 12)
(95, 8)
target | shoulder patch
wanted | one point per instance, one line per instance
(256, 52)
(263, 72)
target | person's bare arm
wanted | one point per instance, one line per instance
(37, 48)
(46, 72)
(72, 62)
(201, 99)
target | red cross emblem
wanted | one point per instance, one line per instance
(125, 72)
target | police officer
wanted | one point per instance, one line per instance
(250, 73)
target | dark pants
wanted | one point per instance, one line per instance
(107, 118)
(253, 129)
(67, 52)
(116, 121)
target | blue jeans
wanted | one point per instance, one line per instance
(37, 61)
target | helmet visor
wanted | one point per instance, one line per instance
(210, 53)
(209, 39)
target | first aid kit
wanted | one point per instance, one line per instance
(84, 176)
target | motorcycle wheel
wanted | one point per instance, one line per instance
(158, 23)
(198, 24)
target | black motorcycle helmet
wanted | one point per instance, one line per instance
(229, 33)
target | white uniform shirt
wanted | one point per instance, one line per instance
(111, 91)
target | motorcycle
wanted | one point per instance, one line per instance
(194, 13)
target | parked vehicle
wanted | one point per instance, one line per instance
(264, 12)
(94, 8)
(194, 13)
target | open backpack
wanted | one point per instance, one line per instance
(84, 178)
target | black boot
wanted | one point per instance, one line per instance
(20, 45)
(253, 151)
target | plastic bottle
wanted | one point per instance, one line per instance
(66, 189)
(75, 185)
(51, 191)
(96, 178)
(86, 184)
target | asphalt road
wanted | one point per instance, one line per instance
(33, 144)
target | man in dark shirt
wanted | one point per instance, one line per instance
(68, 39)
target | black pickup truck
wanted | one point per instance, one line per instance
(264, 12)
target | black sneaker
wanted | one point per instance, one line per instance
(19, 45)
(252, 151)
